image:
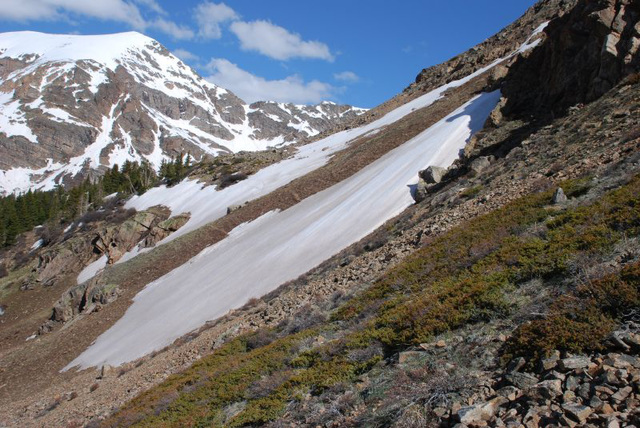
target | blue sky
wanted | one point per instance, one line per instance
(354, 52)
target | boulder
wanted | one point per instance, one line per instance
(433, 174)
(584, 391)
(622, 394)
(235, 207)
(420, 193)
(164, 229)
(559, 197)
(630, 338)
(612, 422)
(551, 362)
(496, 75)
(516, 364)
(622, 361)
(596, 403)
(115, 241)
(577, 412)
(496, 117)
(105, 371)
(548, 389)
(479, 413)
(84, 298)
(572, 383)
(573, 363)
(522, 380)
(511, 393)
(479, 164)
(68, 257)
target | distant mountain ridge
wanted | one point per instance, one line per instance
(71, 104)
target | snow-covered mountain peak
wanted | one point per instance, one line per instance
(70, 104)
(106, 49)
(144, 58)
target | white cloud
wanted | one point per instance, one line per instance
(276, 42)
(251, 88)
(185, 55)
(111, 10)
(152, 5)
(107, 10)
(347, 76)
(171, 28)
(23, 10)
(209, 16)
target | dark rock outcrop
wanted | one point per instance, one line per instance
(116, 240)
(164, 229)
(495, 47)
(586, 53)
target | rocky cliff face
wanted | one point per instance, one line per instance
(588, 51)
(72, 104)
(495, 47)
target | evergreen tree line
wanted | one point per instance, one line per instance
(23, 212)
(176, 169)
(132, 178)
(20, 213)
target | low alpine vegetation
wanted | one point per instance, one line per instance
(462, 277)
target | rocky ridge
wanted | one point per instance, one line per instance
(590, 50)
(495, 47)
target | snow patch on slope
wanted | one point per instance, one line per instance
(207, 204)
(279, 246)
(12, 119)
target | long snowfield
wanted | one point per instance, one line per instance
(259, 256)
(279, 246)
(207, 204)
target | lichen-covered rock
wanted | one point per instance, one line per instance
(559, 197)
(67, 257)
(83, 299)
(164, 229)
(572, 363)
(116, 240)
(479, 164)
(577, 412)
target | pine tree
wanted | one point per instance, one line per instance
(13, 224)
(178, 167)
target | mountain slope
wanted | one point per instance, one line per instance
(71, 104)
(420, 344)
(350, 342)
(228, 274)
(302, 237)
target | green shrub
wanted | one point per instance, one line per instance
(578, 322)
